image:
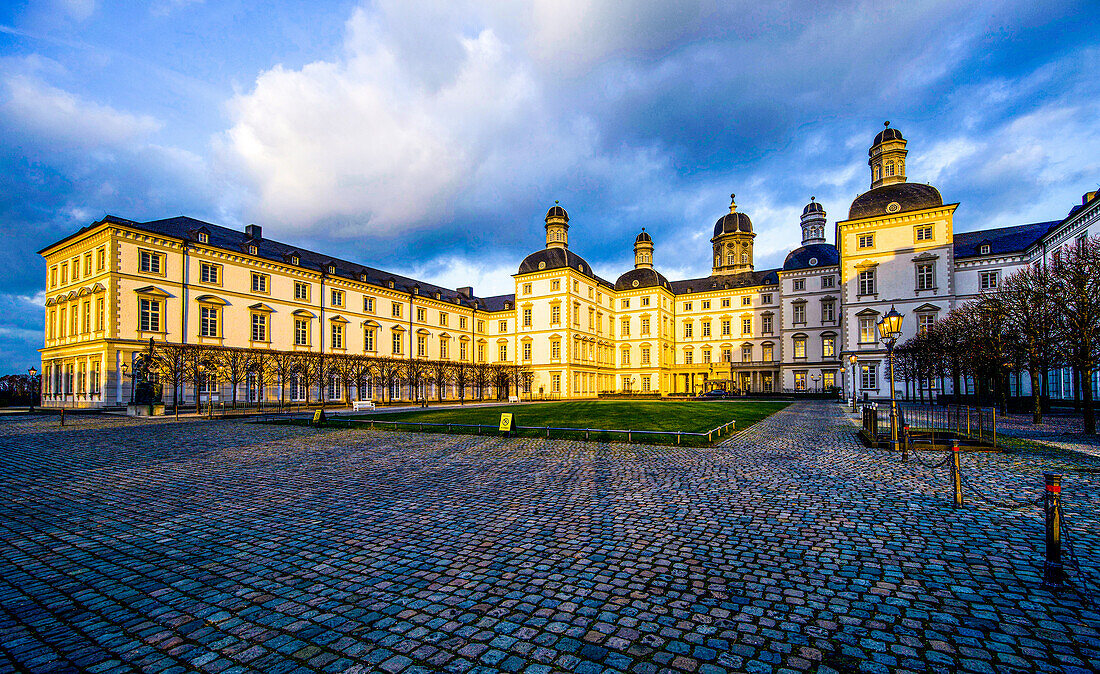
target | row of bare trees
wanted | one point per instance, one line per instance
(180, 366)
(17, 389)
(1043, 316)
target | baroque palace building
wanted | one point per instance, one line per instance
(116, 283)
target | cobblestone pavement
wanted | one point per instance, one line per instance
(229, 547)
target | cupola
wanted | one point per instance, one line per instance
(643, 251)
(557, 227)
(813, 223)
(887, 158)
(732, 241)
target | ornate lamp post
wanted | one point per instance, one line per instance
(853, 359)
(889, 328)
(32, 373)
(125, 372)
(815, 379)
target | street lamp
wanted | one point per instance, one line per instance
(853, 359)
(889, 328)
(32, 372)
(815, 379)
(125, 372)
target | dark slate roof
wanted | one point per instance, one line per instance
(732, 222)
(743, 280)
(643, 236)
(559, 258)
(237, 241)
(813, 255)
(910, 196)
(497, 302)
(887, 134)
(646, 278)
(1003, 240)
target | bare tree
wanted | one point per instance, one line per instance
(1029, 299)
(235, 363)
(282, 365)
(440, 373)
(1076, 277)
(171, 361)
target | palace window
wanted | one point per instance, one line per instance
(645, 384)
(555, 314)
(925, 276)
(625, 357)
(555, 349)
(336, 298)
(868, 376)
(766, 325)
(800, 380)
(526, 288)
(799, 347)
(252, 250)
(150, 263)
(866, 240)
(86, 317)
(645, 301)
(744, 258)
(148, 315)
(204, 237)
(687, 306)
(301, 332)
(461, 322)
(925, 322)
(725, 327)
(687, 330)
(101, 259)
(729, 259)
(828, 347)
(481, 326)
(301, 291)
(924, 233)
(462, 351)
(706, 328)
(799, 284)
(828, 311)
(746, 353)
(259, 283)
(725, 303)
(625, 331)
(208, 321)
(395, 309)
(368, 305)
(766, 298)
(645, 355)
(443, 318)
(395, 344)
(421, 315)
(99, 313)
(64, 273)
(867, 282)
(746, 326)
(259, 327)
(705, 304)
(527, 350)
(527, 318)
(576, 314)
(706, 355)
(555, 383)
(689, 357)
(208, 273)
(987, 280)
(867, 330)
(421, 345)
(746, 301)
(555, 285)
(984, 250)
(645, 326)
(502, 353)
(767, 350)
(337, 335)
(799, 313)
(87, 264)
(368, 339)
(828, 281)
(503, 327)
(591, 319)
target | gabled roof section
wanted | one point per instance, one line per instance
(749, 279)
(497, 302)
(1003, 240)
(185, 228)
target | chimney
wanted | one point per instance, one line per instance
(465, 291)
(254, 232)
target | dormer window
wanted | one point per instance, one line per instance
(204, 237)
(252, 250)
(391, 284)
(889, 169)
(295, 260)
(984, 250)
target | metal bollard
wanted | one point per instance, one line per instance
(905, 444)
(1053, 574)
(956, 477)
(62, 416)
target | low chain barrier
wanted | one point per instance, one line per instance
(1050, 500)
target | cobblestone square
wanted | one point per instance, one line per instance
(230, 547)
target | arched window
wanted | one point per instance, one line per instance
(717, 260)
(877, 171)
(730, 259)
(744, 258)
(889, 169)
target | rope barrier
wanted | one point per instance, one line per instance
(1012, 505)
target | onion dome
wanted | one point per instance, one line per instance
(641, 278)
(813, 207)
(643, 237)
(886, 134)
(557, 212)
(733, 221)
(812, 256)
(896, 198)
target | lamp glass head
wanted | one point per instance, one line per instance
(889, 328)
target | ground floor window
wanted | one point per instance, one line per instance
(868, 376)
(645, 384)
(800, 380)
(828, 379)
(767, 382)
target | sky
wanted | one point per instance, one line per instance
(429, 138)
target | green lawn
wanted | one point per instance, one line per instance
(688, 416)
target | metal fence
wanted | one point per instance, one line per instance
(962, 421)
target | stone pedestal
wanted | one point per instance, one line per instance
(150, 410)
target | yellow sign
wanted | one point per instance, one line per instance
(505, 421)
(317, 417)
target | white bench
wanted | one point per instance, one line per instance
(513, 399)
(360, 405)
